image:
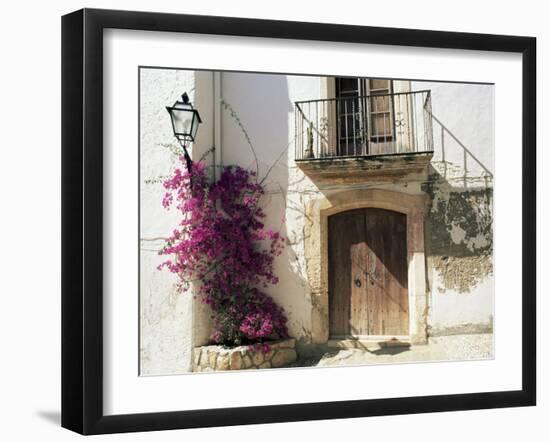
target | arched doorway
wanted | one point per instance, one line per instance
(319, 211)
(368, 281)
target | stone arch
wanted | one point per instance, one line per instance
(316, 252)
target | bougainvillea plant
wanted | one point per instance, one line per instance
(221, 243)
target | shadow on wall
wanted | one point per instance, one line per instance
(466, 163)
(255, 119)
(459, 225)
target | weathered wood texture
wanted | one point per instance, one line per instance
(345, 230)
(368, 288)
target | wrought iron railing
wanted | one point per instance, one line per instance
(380, 124)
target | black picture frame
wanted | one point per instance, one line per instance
(82, 217)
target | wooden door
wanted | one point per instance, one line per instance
(365, 116)
(346, 231)
(381, 116)
(368, 293)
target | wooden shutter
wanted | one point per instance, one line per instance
(380, 109)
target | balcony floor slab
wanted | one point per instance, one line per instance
(352, 170)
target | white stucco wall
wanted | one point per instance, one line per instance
(463, 130)
(463, 138)
(264, 106)
(465, 111)
(169, 321)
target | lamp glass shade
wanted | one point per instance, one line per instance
(185, 119)
(195, 124)
(182, 120)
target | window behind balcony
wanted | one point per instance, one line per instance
(380, 109)
(364, 114)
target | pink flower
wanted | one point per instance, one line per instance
(221, 242)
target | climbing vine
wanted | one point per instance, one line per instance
(222, 243)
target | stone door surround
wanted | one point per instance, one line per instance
(316, 252)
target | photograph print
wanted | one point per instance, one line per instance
(291, 221)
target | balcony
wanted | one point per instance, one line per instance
(353, 139)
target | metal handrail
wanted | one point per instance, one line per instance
(427, 91)
(375, 124)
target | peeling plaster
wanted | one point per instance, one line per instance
(462, 273)
(459, 232)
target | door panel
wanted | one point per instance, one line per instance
(387, 272)
(368, 284)
(346, 231)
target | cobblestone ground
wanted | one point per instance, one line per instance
(453, 347)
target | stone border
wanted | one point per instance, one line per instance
(220, 358)
(316, 252)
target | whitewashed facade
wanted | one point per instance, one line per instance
(451, 274)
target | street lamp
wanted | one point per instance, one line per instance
(185, 122)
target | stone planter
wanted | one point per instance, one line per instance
(219, 358)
